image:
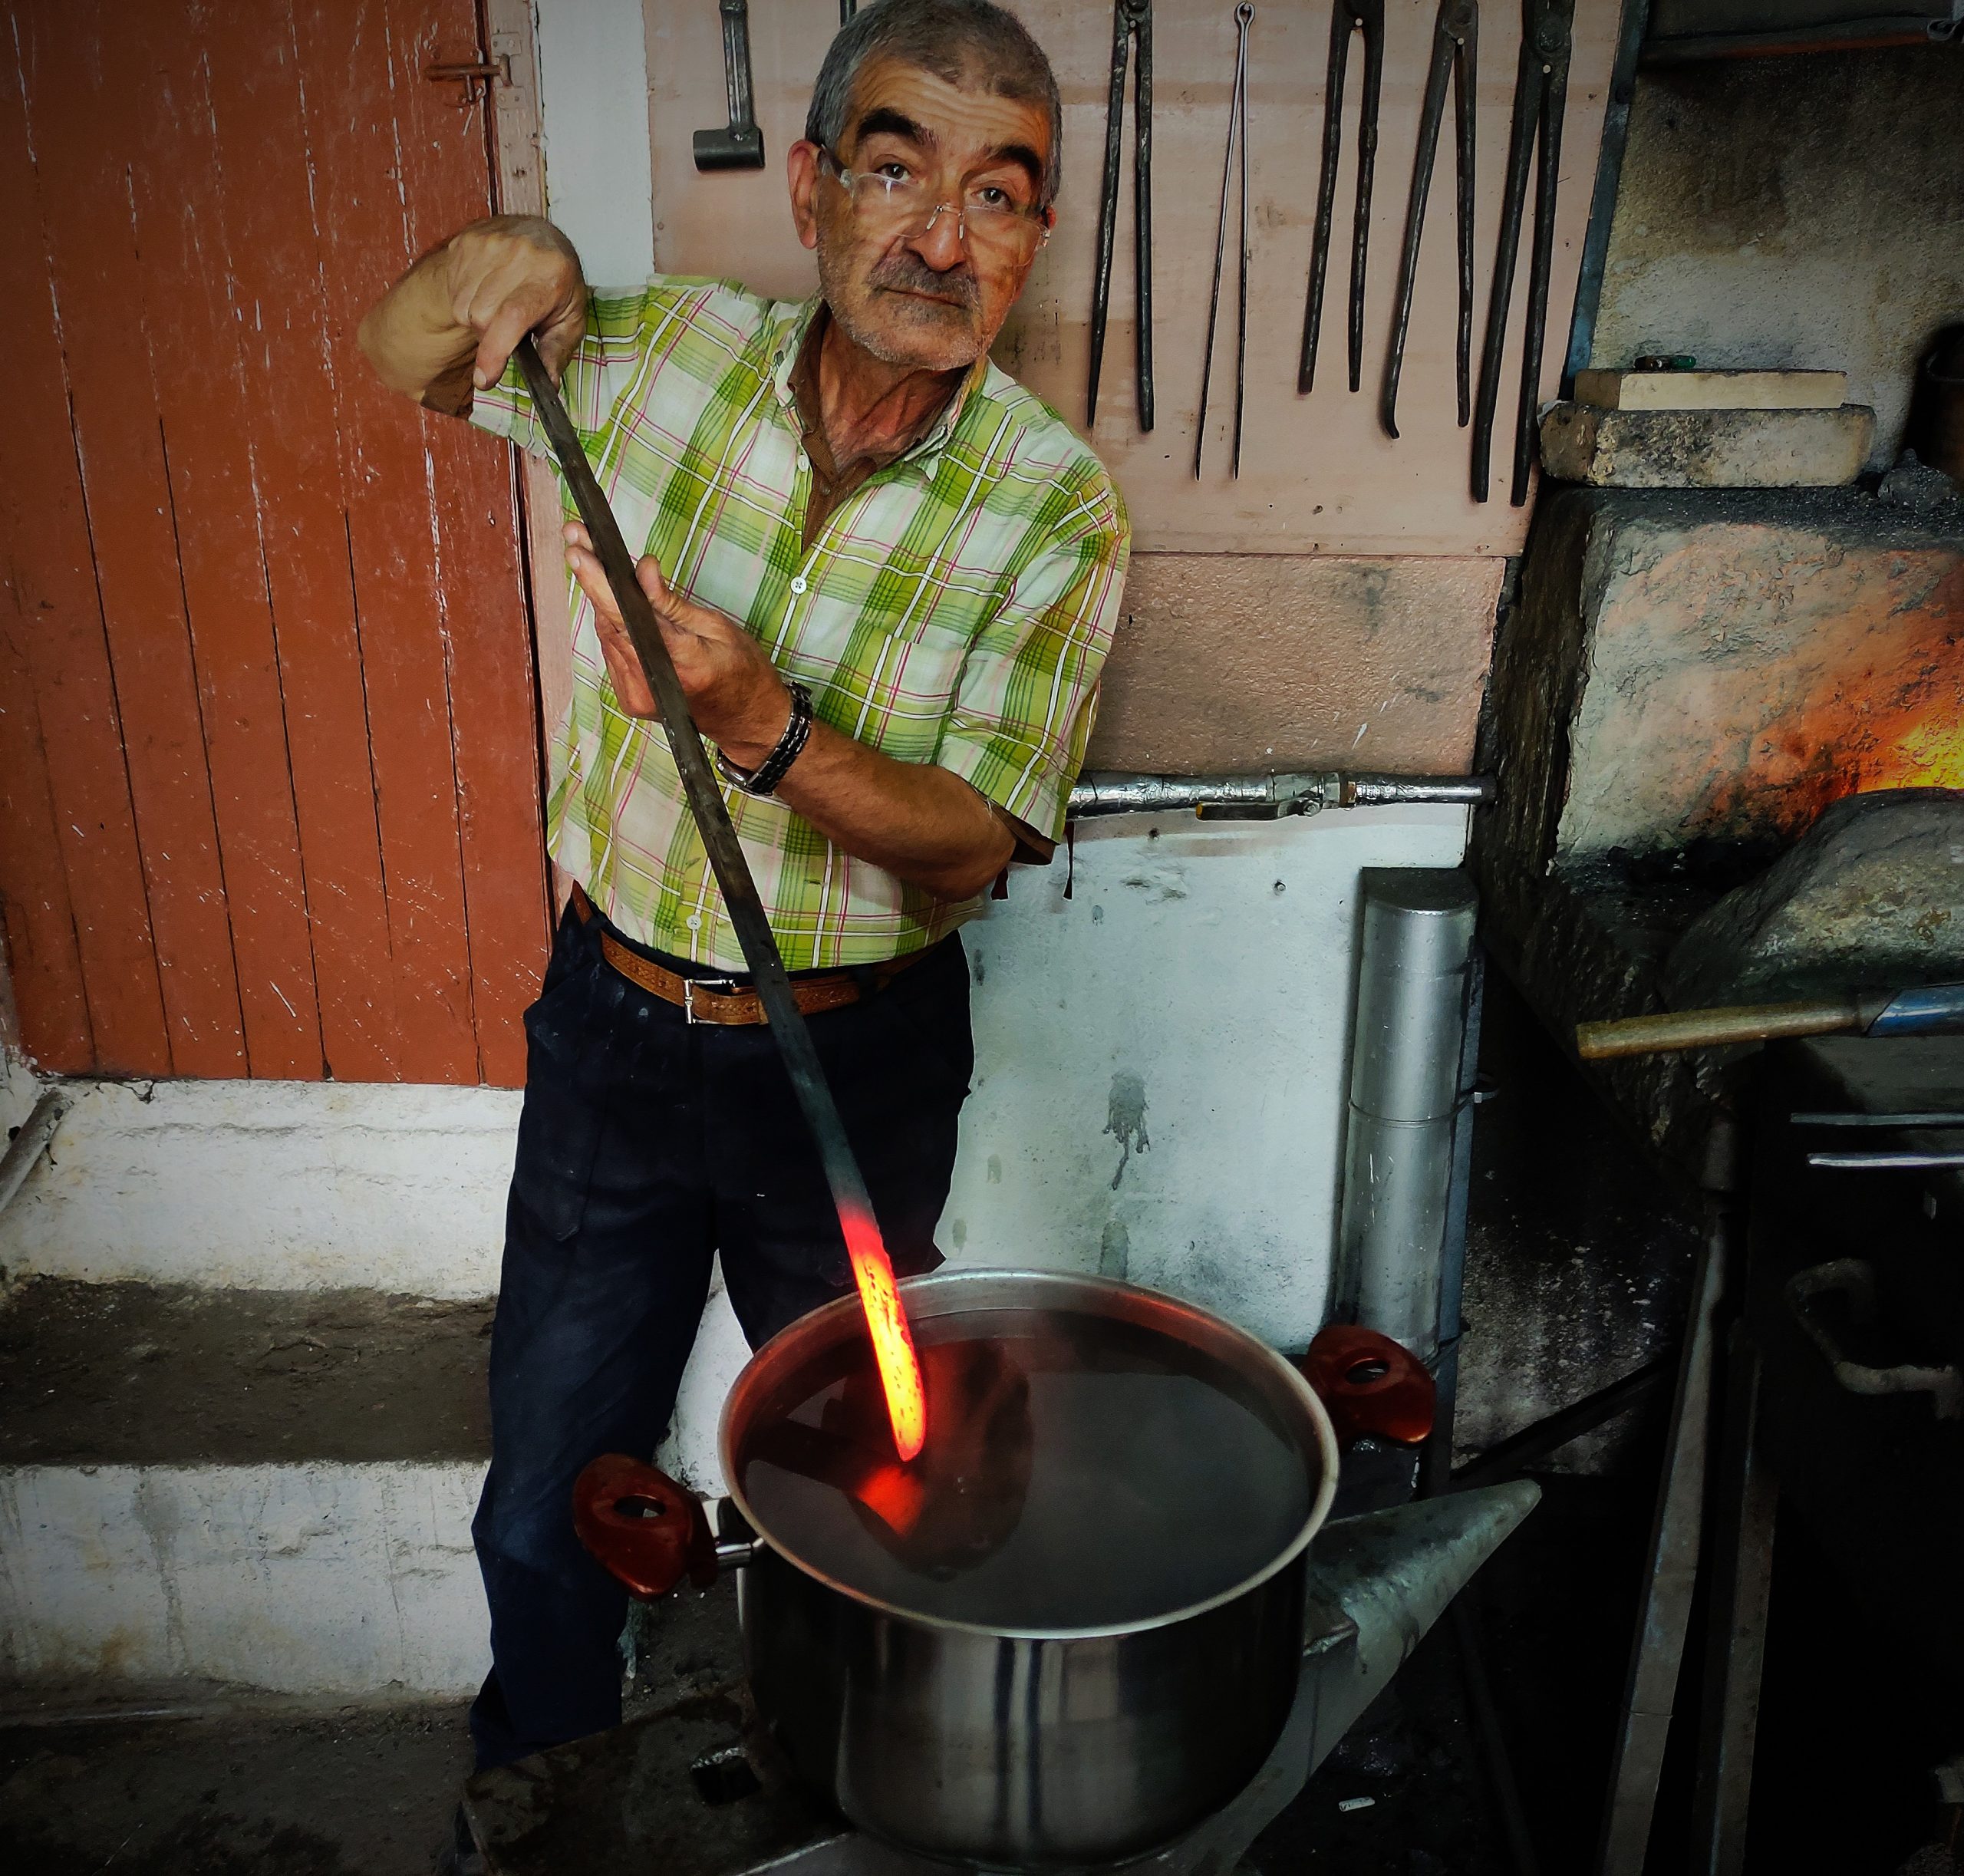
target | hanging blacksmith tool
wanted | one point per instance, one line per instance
(1131, 20)
(1455, 50)
(739, 145)
(1346, 17)
(1237, 139)
(1541, 90)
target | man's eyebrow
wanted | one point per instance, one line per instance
(883, 119)
(1025, 159)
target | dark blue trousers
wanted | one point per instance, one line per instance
(647, 1145)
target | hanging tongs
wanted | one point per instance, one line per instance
(1455, 53)
(1541, 90)
(1346, 17)
(1132, 20)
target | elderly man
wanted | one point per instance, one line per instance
(888, 576)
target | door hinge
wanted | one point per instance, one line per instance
(474, 73)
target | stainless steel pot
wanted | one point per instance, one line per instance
(1033, 1749)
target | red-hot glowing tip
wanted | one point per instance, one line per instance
(893, 1340)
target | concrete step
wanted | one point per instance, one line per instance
(268, 1490)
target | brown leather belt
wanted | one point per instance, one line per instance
(717, 1000)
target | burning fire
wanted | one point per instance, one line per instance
(1852, 743)
(893, 1340)
(1930, 755)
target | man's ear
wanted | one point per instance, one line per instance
(801, 167)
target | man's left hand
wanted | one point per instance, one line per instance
(738, 700)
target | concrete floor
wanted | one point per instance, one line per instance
(361, 1792)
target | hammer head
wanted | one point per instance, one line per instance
(730, 146)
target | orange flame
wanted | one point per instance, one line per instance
(1931, 754)
(886, 1322)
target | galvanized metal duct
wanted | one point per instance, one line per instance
(1268, 797)
(1414, 981)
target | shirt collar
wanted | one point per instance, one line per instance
(792, 333)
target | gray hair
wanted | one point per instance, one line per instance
(971, 43)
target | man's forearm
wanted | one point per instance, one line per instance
(921, 823)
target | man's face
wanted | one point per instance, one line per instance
(932, 299)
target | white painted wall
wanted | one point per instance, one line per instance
(301, 1579)
(593, 113)
(271, 1185)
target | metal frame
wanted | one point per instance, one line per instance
(1609, 179)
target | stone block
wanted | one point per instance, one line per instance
(1708, 672)
(1705, 449)
(1711, 391)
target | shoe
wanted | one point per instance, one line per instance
(460, 1856)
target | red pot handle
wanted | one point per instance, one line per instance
(1372, 1386)
(643, 1528)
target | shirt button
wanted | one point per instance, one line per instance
(797, 584)
(694, 922)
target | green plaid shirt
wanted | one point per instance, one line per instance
(955, 609)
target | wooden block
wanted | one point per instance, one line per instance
(1705, 449)
(1711, 391)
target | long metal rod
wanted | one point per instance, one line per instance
(787, 1023)
(1515, 1454)
(1885, 1162)
(1664, 1615)
(1947, 1122)
(1237, 134)
(1493, 1753)
(1609, 179)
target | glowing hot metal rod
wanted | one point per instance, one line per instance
(872, 1270)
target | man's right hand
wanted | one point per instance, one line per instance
(513, 274)
(452, 320)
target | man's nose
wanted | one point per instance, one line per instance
(939, 244)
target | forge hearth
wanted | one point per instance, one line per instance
(1688, 680)
(1871, 898)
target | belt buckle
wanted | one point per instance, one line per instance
(691, 984)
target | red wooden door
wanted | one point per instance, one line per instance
(269, 748)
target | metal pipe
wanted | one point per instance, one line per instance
(1269, 797)
(30, 1142)
(1885, 1162)
(1945, 1121)
(1435, 1465)
(1413, 988)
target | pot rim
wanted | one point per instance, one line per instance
(817, 1329)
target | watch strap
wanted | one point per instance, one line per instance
(768, 774)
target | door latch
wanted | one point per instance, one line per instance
(475, 73)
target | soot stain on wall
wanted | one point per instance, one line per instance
(1125, 1119)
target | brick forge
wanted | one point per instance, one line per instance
(1687, 681)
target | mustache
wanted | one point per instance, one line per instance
(908, 273)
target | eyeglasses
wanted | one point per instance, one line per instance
(989, 220)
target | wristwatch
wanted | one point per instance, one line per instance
(765, 778)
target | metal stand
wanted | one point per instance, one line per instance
(1747, 1497)
(1664, 1614)
(698, 1790)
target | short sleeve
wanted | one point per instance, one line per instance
(1027, 692)
(621, 325)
